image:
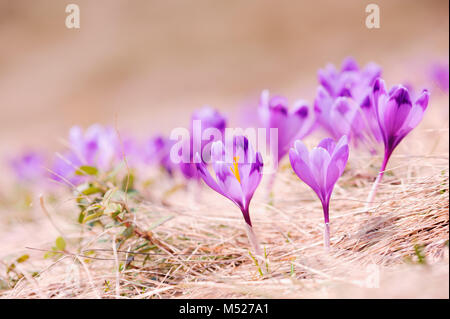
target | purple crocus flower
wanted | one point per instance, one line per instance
(127, 147)
(97, 146)
(343, 103)
(29, 167)
(157, 150)
(440, 75)
(397, 115)
(238, 172)
(64, 168)
(291, 125)
(204, 121)
(320, 170)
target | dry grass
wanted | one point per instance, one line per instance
(402, 240)
(210, 256)
(205, 232)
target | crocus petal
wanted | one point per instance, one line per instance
(290, 124)
(76, 140)
(423, 99)
(337, 164)
(397, 114)
(326, 77)
(303, 171)
(304, 118)
(340, 154)
(371, 72)
(342, 116)
(229, 184)
(250, 180)
(328, 143)
(379, 89)
(302, 151)
(414, 118)
(349, 64)
(217, 151)
(206, 176)
(319, 160)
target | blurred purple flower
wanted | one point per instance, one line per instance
(97, 146)
(202, 119)
(64, 168)
(320, 169)
(157, 151)
(129, 148)
(238, 172)
(440, 75)
(291, 125)
(189, 170)
(397, 116)
(343, 103)
(29, 167)
(209, 117)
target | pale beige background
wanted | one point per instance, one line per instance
(150, 63)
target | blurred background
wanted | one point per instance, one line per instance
(150, 63)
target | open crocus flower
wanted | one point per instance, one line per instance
(320, 170)
(291, 124)
(397, 116)
(238, 172)
(343, 103)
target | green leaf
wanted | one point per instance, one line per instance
(81, 217)
(113, 208)
(86, 189)
(419, 251)
(60, 243)
(92, 216)
(86, 170)
(22, 258)
(91, 190)
(128, 183)
(108, 195)
(49, 254)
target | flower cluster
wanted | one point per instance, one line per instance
(344, 104)
(352, 105)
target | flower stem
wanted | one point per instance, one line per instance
(326, 231)
(326, 236)
(373, 191)
(253, 240)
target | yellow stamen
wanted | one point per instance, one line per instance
(234, 169)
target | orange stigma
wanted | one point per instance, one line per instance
(234, 169)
